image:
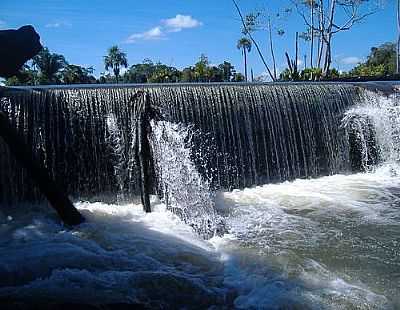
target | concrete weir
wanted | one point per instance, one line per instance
(247, 134)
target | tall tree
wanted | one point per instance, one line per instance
(227, 71)
(114, 60)
(398, 39)
(313, 6)
(333, 16)
(244, 44)
(248, 32)
(201, 69)
(49, 66)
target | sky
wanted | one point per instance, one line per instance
(177, 32)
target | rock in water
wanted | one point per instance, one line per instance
(16, 47)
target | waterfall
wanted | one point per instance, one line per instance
(248, 134)
(117, 145)
(375, 124)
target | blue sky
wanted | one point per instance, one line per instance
(175, 32)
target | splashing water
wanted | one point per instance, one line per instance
(325, 243)
(376, 124)
(183, 189)
(117, 142)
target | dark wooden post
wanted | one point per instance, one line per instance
(24, 155)
(144, 151)
(142, 113)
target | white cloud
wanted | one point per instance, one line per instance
(2, 24)
(175, 24)
(180, 22)
(58, 25)
(54, 25)
(155, 33)
(352, 60)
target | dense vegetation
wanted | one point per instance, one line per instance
(380, 64)
(51, 68)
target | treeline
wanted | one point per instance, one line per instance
(49, 68)
(380, 64)
(201, 71)
(315, 38)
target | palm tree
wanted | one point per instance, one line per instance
(49, 66)
(244, 44)
(115, 60)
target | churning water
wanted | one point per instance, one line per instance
(328, 243)
(324, 243)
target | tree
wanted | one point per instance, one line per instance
(237, 77)
(248, 32)
(74, 74)
(310, 34)
(263, 20)
(201, 69)
(380, 62)
(333, 17)
(140, 73)
(244, 44)
(188, 75)
(49, 66)
(398, 39)
(164, 74)
(227, 71)
(115, 60)
(26, 76)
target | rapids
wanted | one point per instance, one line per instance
(327, 243)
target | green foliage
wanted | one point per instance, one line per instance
(380, 62)
(26, 77)
(48, 66)
(308, 74)
(311, 74)
(164, 74)
(201, 71)
(244, 44)
(51, 68)
(227, 71)
(114, 60)
(238, 77)
(148, 72)
(74, 74)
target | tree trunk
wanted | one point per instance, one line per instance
(254, 42)
(116, 73)
(312, 37)
(321, 33)
(297, 52)
(398, 38)
(328, 56)
(245, 62)
(24, 155)
(328, 50)
(272, 47)
(289, 63)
